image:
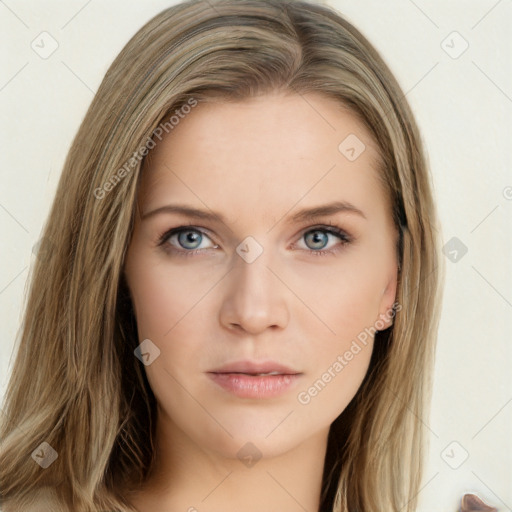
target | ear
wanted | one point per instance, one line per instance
(387, 302)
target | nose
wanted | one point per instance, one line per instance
(254, 298)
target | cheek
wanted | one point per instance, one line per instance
(169, 308)
(335, 385)
(348, 308)
(340, 301)
(339, 361)
(164, 297)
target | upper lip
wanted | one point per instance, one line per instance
(254, 367)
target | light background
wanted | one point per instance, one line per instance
(463, 106)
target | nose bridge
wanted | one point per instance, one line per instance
(254, 298)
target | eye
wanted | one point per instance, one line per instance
(184, 240)
(318, 237)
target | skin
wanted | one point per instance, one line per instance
(256, 162)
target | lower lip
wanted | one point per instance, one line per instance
(249, 386)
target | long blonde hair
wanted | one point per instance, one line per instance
(76, 384)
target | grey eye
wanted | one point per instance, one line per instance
(190, 236)
(317, 238)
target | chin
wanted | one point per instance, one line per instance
(260, 435)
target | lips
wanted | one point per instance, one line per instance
(255, 380)
(255, 368)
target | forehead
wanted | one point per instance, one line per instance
(265, 153)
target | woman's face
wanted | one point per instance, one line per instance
(252, 283)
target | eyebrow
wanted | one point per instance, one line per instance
(300, 216)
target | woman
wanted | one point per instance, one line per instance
(248, 373)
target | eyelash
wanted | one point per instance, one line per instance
(342, 235)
